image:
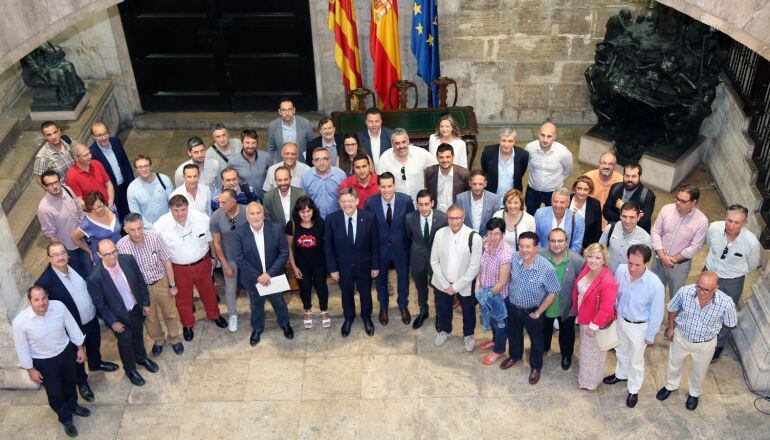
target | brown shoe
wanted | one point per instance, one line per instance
(406, 317)
(534, 376)
(507, 363)
(383, 316)
(456, 302)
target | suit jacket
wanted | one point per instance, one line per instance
(316, 142)
(393, 239)
(57, 291)
(603, 286)
(273, 208)
(419, 254)
(363, 256)
(246, 253)
(363, 139)
(275, 137)
(460, 180)
(107, 300)
(491, 205)
(120, 155)
(470, 260)
(573, 267)
(544, 220)
(593, 221)
(612, 213)
(489, 159)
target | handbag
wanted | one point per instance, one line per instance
(293, 283)
(607, 336)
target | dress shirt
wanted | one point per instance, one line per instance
(529, 287)
(354, 217)
(323, 189)
(364, 192)
(556, 223)
(43, 337)
(477, 208)
(375, 143)
(675, 233)
(548, 169)
(201, 201)
(331, 149)
(48, 158)
(620, 242)
(428, 220)
(385, 203)
(453, 271)
(113, 161)
(149, 199)
(253, 173)
(259, 239)
(444, 189)
(149, 255)
(414, 169)
(698, 324)
(642, 300)
(742, 253)
(504, 175)
(285, 203)
(296, 175)
(459, 148)
(581, 210)
(60, 216)
(289, 132)
(76, 287)
(121, 283)
(209, 173)
(185, 243)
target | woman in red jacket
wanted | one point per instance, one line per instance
(593, 297)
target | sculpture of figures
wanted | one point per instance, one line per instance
(54, 82)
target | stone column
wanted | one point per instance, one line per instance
(752, 336)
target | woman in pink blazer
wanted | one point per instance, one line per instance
(593, 297)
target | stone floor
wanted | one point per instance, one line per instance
(395, 384)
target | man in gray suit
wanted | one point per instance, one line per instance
(478, 204)
(288, 128)
(279, 201)
(421, 227)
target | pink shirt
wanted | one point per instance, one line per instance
(489, 274)
(60, 216)
(675, 233)
(121, 283)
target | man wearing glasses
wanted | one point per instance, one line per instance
(407, 163)
(696, 315)
(733, 252)
(289, 154)
(288, 128)
(322, 182)
(148, 194)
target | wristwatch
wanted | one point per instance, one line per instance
(171, 286)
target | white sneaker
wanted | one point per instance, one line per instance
(441, 338)
(470, 343)
(232, 323)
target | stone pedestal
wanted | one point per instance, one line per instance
(752, 336)
(591, 147)
(60, 115)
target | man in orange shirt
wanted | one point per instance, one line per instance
(603, 178)
(363, 180)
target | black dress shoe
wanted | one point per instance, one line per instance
(631, 400)
(566, 362)
(406, 317)
(288, 332)
(135, 378)
(220, 322)
(612, 380)
(419, 320)
(692, 403)
(156, 350)
(717, 353)
(383, 316)
(663, 394)
(254, 338)
(151, 366)
(106, 367)
(369, 326)
(345, 330)
(188, 333)
(178, 348)
(70, 430)
(81, 411)
(86, 393)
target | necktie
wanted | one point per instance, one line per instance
(124, 290)
(350, 230)
(389, 217)
(425, 231)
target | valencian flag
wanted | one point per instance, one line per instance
(342, 22)
(383, 44)
(425, 41)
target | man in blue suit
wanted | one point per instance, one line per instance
(353, 257)
(478, 204)
(261, 252)
(109, 152)
(390, 209)
(558, 215)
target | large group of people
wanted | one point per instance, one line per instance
(130, 249)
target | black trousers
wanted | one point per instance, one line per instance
(421, 284)
(534, 198)
(445, 312)
(362, 281)
(121, 199)
(131, 341)
(566, 335)
(59, 382)
(518, 320)
(92, 345)
(314, 276)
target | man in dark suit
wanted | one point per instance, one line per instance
(376, 138)
(329, 139)
(109, 152)
(390, 209)
(122, 300)
(68, 285)
(353, 257)
(421, 227)
(631, 189)
(477, 219)
(274, 208)
(261, 252)
(504, 163)
(438, 176)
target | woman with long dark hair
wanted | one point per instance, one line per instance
(350, 148)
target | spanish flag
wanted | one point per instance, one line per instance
(383, 44)
(342, 22)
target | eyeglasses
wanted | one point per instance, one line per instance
(53, 183)
(682, 201)
(232, 223)
(724, 253)
(354, 144)
(97, 207)
(403, 173)
(702, 291)
(59, 254)
(321, 159)
(108, 254)
(142, 167)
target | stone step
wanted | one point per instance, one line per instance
(10, 130)
(205, 120)
(16, 168)
(22, 219)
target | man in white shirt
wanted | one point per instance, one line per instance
(279, 201)
(209, 168)
(406, 162)
(197, 195)
(289, 154)
(375, 138)
(550, 162)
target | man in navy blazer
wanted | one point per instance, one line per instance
(351, 245)
(74, 295)
(490, 203)
(261, 252)
(390, 209)
(374, 130)
(109, 152)
(514, 161)
(560, 213)
(122, 300)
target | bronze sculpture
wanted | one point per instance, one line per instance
(55, 83)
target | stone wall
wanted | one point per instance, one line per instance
(10, 87)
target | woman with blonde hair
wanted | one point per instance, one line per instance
(448, 132)
(517, 220)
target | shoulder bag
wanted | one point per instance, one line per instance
(607, 336)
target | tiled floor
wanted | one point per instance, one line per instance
(395, 384)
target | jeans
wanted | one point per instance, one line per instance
(492, 308)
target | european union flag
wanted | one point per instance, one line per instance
(425, 41)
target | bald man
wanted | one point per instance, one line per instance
(603, 178)
(109, 151)
(550, 162)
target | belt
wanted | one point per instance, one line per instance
(530, 310)
(634, 322)
(702, 342)
(193, 263)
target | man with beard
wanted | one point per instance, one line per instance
(631, 189)
(289, 154)
(446, 180)
(603, 178)
(251, 164)
(279, 201)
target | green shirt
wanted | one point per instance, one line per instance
(554, 310)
